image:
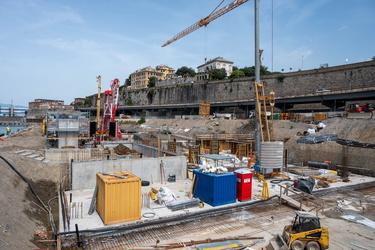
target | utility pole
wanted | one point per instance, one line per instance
(257, 76)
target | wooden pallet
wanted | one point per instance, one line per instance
(295, 203)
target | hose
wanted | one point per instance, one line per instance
(277, 181)
(47, 208)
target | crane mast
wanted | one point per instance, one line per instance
(205, 21)
(99, 78)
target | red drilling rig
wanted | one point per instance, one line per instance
(108, 125)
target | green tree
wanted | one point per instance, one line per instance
(250, 71)
(128, 81)
(87, 102)
(185, 71)
(373, 58)
(234, 68)
(264, 70)
(152, 81)
(217, 74)
(141, 121)
(237, 74)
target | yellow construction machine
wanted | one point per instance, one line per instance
(305, 232)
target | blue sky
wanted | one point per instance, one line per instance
(56, 49)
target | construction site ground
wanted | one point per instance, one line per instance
(262, 221)
(181, 190)
(21, 214)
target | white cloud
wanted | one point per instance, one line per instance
(41, 14)
(61, 44)
(343, 27)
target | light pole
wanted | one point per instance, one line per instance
(257, 75)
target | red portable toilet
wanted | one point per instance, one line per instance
(244, 184)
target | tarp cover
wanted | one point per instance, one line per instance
(306, 185)
(322, 138)
(355, 144)
(317, 139)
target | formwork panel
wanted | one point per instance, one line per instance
(118, 200)
(204, 109)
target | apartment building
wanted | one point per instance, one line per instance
(47, 104)
(217, 63)
(140, 78)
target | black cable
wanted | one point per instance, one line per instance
(34, 193)
(277, 181)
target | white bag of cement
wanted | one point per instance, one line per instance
(310, 131)
(321, 125)
(324, 171)
(165, 196)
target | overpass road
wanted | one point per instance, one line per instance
(334, 100)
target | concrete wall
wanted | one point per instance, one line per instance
(101, 153)
(68, 138)
(174, 81)
(148, 169)
(66, 155)
(344, 77)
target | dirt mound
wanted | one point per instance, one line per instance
(361, 130)
(20, 213)
(30, 138)
(121, 149)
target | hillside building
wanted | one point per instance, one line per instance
(47, 104)
(217, 63)
(167, 72)
(140, 78)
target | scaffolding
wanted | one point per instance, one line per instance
(66, 130)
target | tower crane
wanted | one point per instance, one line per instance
(205, 21)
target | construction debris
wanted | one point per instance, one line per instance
(305, 171)
(179, 205)
(328, 179)
(191, 243)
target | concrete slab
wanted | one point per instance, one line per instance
(152, 210)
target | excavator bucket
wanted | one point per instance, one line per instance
(278, 243)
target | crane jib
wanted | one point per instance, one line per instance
(205, 21)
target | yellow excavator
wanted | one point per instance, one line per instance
(305, 232)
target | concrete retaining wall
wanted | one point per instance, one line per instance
(65, 155)
(101, 153)
(148, 169)
(344, 77)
